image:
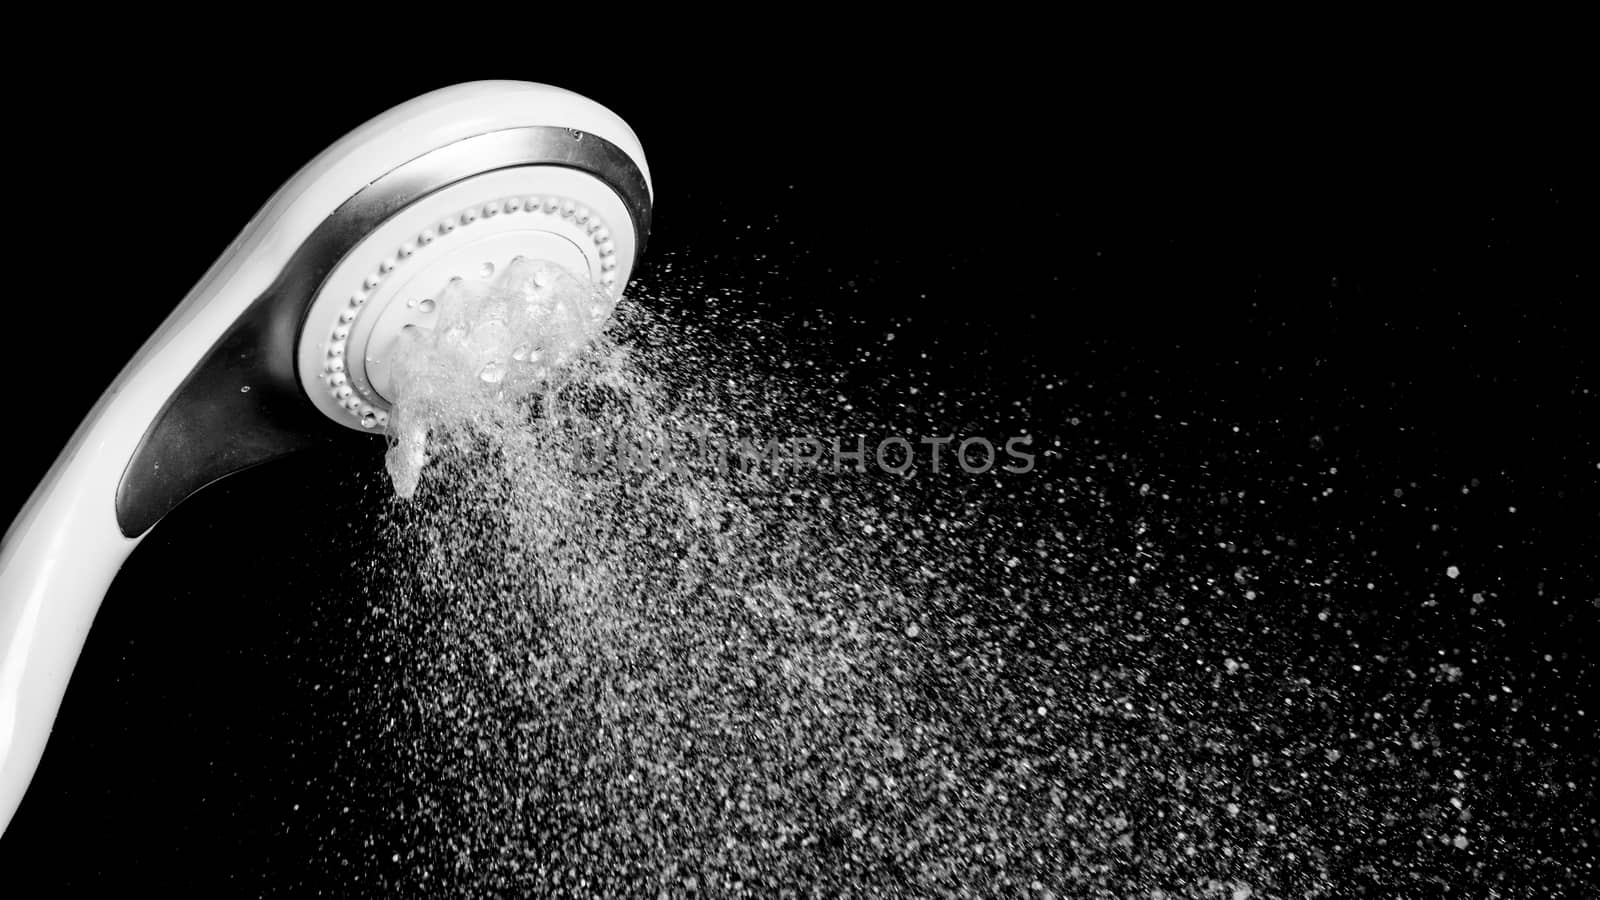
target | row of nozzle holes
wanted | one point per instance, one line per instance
(333, 367)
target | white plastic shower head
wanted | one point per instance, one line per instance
(287, 333)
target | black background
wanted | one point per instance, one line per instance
(1384, 271)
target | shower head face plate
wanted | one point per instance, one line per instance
(472, 229)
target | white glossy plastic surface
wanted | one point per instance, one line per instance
(62, 551)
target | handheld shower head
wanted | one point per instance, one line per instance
(283, 343)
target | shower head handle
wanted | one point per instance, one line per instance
(224, 382)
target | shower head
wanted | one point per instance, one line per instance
(284, 343)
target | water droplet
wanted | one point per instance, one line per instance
(427, 305)
(485, 270)
(369, 419)
(492, 373)
(412, 303)
(521, 353)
